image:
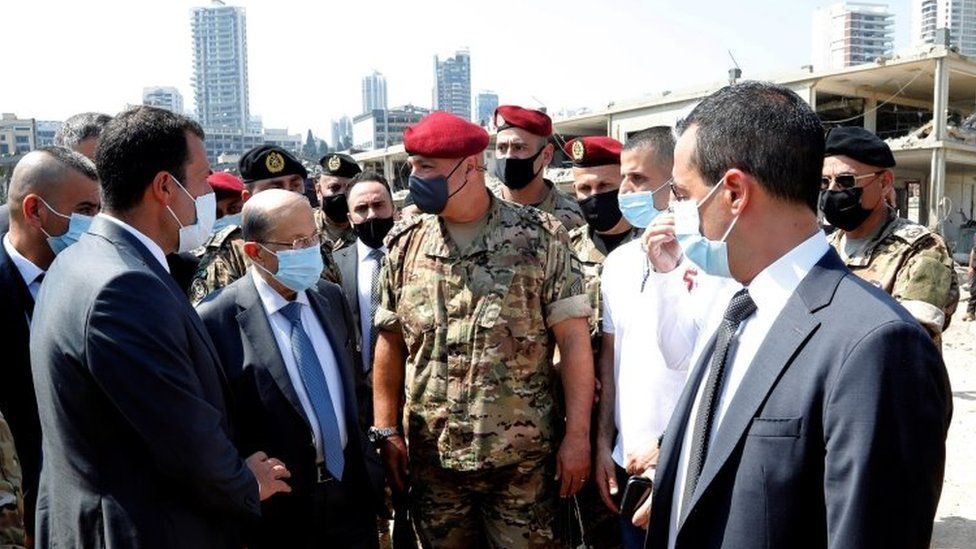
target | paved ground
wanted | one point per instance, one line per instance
(955, 524)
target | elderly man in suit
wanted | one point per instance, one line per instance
(131, 396)
(816, 414)
(286, 341)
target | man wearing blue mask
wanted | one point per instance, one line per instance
(52, 197)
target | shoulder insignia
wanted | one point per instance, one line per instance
(217, 239)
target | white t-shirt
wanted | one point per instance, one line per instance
(647, 390)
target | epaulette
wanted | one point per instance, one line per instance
(403, 227)
(908, 231)
(217, 239)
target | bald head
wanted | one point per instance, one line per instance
(273, 214)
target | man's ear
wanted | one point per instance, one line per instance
(739, 190)
(163, 188)
(252, 250)
(30, 208)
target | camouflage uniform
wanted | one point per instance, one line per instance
(478, 386)
(222, 261)
(591, 253)
(340, 237)
(556, 203)
(11, 495)
(913, 265)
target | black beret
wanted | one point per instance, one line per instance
(269, 162)
(861, 145)
(340, 165)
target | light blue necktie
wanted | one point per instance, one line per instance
(317, 389)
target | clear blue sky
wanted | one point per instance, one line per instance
(306, 59)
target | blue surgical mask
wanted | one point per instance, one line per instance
(638, 208)
(227, 221)
(77, 226)
(298, 270)
(710, 255)
(430, 195)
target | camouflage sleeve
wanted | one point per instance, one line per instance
(11, 494)
(386, 317)
(926, 285)
(563, 293)
(218, 268)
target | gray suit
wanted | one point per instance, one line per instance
(836, 436)
(131, 395)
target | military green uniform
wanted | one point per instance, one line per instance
(11, 492)
(478, 409)
(340, 237)
(913, 265)
(556, 203)
(591, 253)
(222, 261)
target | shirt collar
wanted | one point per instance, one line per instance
(774, 285)
(28, 270)
(149, 243)
(364, 250)
(270, 298)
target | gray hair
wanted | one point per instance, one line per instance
(79, 128)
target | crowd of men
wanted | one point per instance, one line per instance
(730, 311)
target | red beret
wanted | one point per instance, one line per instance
(594, 150)
(225, 184)
(534, 122)
(443, 135)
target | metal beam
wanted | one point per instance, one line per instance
(852, 91)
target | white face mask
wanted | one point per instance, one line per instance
(193, 236)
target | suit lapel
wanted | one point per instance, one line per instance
(22, 301)
(349, 267)
(327, 316)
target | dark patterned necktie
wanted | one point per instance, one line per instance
(374, 303)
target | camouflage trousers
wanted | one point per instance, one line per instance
(11, 497)
(508, 507)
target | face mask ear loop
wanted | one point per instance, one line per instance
(452, 173)
(729, 230)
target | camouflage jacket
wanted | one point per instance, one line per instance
(591, 253)
(11, 493)
(913, 265)
(340, 237)
(556, 203)
(222, 261)
(476, 322)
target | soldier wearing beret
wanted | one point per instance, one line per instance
(331, 217)
(902, 258)
(474, 294)
(223, 259)
(522, 152)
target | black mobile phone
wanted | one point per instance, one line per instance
(637, 491)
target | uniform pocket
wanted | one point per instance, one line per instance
(776, 427)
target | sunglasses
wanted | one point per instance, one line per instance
(845, 180)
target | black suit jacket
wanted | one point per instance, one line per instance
(269, 412)
(836, 436)
(17, 401)
(137, 445)
(347, 260)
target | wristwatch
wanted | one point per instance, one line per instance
(377, 434)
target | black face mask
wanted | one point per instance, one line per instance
(373, 231)
(842, 208)
(517, 173)
(602, 211)
(336, 208)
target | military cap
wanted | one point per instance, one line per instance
(593, 150)
(443, 135)
(861, 145)
(268, 162)
(339, 165)
(225, 184)
(532, 121)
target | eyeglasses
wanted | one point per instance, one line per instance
(674, 191)
(845, 180)
(316, 239)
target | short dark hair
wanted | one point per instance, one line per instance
(765, 130)
(73, 160)
(659, 138)
(80, 127)
(370, 176)
(135, 146)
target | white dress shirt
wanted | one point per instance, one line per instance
(281, 327)
(154, 248)
(364, 285)
(28, 271)
(770, 290)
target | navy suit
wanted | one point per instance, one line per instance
(835, 437)
(136, 439)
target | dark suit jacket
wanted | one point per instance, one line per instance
(269, 412)
(347, 260)
(836, 436)
(17, 401)
(137, 445)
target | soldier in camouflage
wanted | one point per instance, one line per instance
(902, 258)
(337, 171)
(522, 152)
(12, 533)
(971, 273)
(222, 257)
(472, 299)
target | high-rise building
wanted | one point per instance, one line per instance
(374, 92)
(485, 105)
(164, 97)
(452, 84)
(342, 133)
(957, 16)
(220, 66)
(851, 33)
